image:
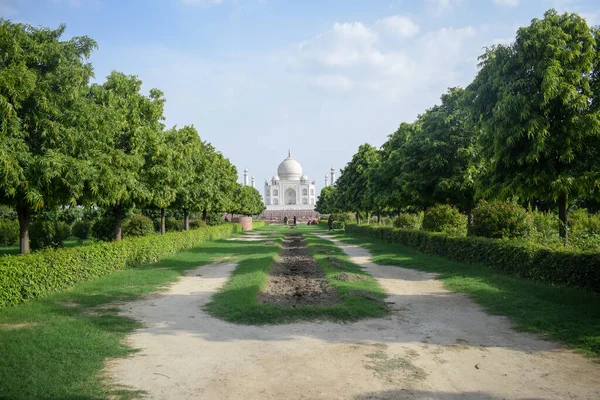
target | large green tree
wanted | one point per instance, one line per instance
(127, 124)
(539, 114)
(353, 183)
(246, 201)
(43, 150)
(326, 202)
(441, 162)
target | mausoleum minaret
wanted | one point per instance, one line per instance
(326, 180)
(254, 182)
(332, 176)
(246, 177)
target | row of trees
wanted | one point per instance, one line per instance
(65, 141)
(527, 129)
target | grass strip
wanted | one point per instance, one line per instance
(237, 301)
(566, 314)
(55, 347)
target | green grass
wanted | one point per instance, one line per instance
(566, 314)
(237, 301)
(55, 347)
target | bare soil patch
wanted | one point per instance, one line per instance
(297, 279)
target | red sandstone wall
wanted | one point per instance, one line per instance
(246, 222)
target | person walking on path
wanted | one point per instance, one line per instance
(330, 222)
(285, 220)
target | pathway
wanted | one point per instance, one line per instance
(435, 345)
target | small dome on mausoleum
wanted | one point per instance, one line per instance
(289, 169)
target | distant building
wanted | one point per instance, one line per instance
(289, 189)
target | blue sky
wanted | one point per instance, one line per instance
(259, 77)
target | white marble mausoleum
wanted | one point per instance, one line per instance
(289, 189)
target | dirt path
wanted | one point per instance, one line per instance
(436, 345)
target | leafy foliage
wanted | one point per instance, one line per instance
(501, 220)
(445, 218)
(49, 234)
(26, 277)
(82, 229)
(174, 225)
(9, 232)
(408, 221)
(138, 225)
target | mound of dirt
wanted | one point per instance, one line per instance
(350, 277)
(296, 278)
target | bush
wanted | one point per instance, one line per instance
(514, 257)
(104, 229)
(48, 234)
(32, 275)
(408, 221)
(173, 225)
(339, 225)
(584, 230)
(446, 219)
(9, 232)
(7, 213)
(197, 223)
(346, 218)
(137, 226)
(214, 218)
(501, 220)
(545, 228)
(82, 229)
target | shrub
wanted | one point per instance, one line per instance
(339, 225)
(197, 223)
(7, 213)
(501, 220)
(138, 225)
(408, 221)
(545, 228)
(48, 234)
(173, 225)
(104, 229)
(346, 218)
(82, 229)
(521, 258)
(214, 218)
(32, 275)
(9, 232)
(446, 219)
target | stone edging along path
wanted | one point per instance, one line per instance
(435, 345)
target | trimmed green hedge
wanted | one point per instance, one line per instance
(32, 275)
(515, 257)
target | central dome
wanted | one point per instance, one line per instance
(289, 169)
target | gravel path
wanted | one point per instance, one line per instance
(435, 345)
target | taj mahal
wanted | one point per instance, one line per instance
(289, 189)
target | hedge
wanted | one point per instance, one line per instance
(515, 257)
(32, 275)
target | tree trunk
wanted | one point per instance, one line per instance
(204, 215)
(562, 216)
(378, 217)
(357, 214)
(469, 214)
(186, 220)
(162, 221)
(118, 222)
(24, 214)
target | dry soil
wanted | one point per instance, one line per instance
(435, 345)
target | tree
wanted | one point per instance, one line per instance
(247, 201)
(164, 172)
(538, 111)
(42, 150)
(354, 180)
(326, 202)
(388, 178)
(128, 124)
(441, 162)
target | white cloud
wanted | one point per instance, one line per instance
(441, 6)
(508, 3)
(351, 57)
(399, 26)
